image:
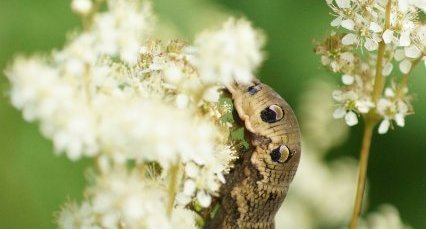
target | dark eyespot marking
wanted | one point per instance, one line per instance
(280, 154)
(254, 89)
(271, 114)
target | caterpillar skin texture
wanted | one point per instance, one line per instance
(258, 184)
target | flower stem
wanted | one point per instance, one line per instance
(362, 171)
(379, 83)
(404, 80)
(172, 189)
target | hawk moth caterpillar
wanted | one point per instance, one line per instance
(259, 181)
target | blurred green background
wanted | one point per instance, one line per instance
(34, 182)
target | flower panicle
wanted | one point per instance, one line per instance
(369, 38)
(149, 112)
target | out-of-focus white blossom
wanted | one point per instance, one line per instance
(386, 217)
(82, 6)
(64, 115)
(119, 198)
(323, 130)
(229, 54)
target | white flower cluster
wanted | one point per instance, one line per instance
(114, 95)
(119, 199)
(322, 190)
(236, 43)
(375, 36)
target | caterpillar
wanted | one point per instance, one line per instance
(259, 181)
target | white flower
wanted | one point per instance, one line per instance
(375, 27)
(350, 103)
(343, 3)
(405, 5)
(405, 66)
(64, 115)
(412, 51)
(371, 44)
(384, 126)
(348, 24)
(182, 101)
(388, 36)
(390, 110)
(229, 54)
(387, 216)
(120, 31)
(189, 187)
(349, 39)
(351, 118)
(348, 79)
(387, 69)
(82, 6)
(204, 199)
(212, 94)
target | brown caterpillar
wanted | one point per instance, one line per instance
(258, 184)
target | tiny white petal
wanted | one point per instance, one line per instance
(182, 101)
(325, 60)
(399, 55)
(183, 199)
(384, 126)
(349, 39)
(363, 106)
(204, 199)
(343, 4)
(348, 24)
(189, 187)
(387, 69)
(389, 92)
(351, 118)
(399, 119)
(192, 170)
(388, 36)
(347, 56)
(403, 5)
(81, 6)
(375, 27)
(405, 66)
(212, 94)
(371, 44)
(338, 95)
(339, 113)
(172, 73)
(404, 39)
(348, 79)
(336, 22)
(412, 51)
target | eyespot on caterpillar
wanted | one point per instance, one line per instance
(269, 166)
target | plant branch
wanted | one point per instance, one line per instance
(403, 83)
(379, 82)
(172, 189)
(362, 172)
(370, 122)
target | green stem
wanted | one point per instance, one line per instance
(172, 189)
(370, 122)
(379, 82)
(362, 171)
(403, 84)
